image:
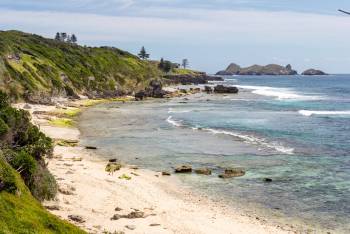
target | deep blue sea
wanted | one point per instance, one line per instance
(293, 129)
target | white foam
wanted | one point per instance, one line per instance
(313, 112)
(254, 140)
(178, 111)
(279, 93)
(173, 122)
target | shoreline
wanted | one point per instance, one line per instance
(87, 191)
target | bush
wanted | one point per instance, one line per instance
(3, 128)
(24, 164)
(43, 185)
(7, 178)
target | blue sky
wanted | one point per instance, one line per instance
(211, 34)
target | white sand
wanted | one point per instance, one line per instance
(170, 207)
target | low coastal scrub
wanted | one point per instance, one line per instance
(35, 68)
(24, 147)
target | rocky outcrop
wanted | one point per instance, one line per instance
(154, 89)
(203, 171)
(257, 70)
(183, 169)
(232, 172)
(188, 79)
(314, 72)
(225, 89)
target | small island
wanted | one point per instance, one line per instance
(258, 70)
(314, 72)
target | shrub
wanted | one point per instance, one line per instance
(43, 185)
(7, 178)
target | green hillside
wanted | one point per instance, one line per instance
(32, 67)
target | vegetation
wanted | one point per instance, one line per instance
(33, 67)
(20, 212)
(24, 176)
(185, 63)
(143, 54)
(24, 148)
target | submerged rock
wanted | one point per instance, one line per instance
(267, 180)
(232, 172)
(203, 171)
(131, 215)
(208, 89)
(183, 169)
(91, 147)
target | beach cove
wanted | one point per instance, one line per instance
(89, 197)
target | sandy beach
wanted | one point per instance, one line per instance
(140, 200)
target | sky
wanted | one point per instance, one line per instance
(210, 34)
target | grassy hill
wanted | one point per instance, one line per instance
(33, 67)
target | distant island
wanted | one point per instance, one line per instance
(270, 69)
(314, 72)
(257, 70)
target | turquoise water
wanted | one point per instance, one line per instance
(294, 130)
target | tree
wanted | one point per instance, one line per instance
(74, 38)
(58, 37)
(167, 66)
(63, 36)
(185, 63)
(143, 54)
(161, 64)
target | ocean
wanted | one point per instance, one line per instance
(292, 129)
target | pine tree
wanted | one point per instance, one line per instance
(63, 36)
(167, 66)
(161, 64)
(143, 54)
(185, 63)
(58, 37)
(74, 38)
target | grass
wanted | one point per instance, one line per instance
(47, 66)
(20, 212)
(62, 122)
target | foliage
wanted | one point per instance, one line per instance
(62, 122)
(30, 63)
(21, 213)
(185, 63)
(24, 148)
(143, 54)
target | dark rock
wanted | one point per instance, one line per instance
(225, 89)
(203, 171)
(112, 160)
(208, 89)
(314, 72)
(130, 227)
(76, 218)
(91, 147)
(154, 224)
(165, 173)
(232, 172)
(139, 96)
(118, 209)
(53, 207)
(183, 169)
(131, 215)
(267, 180)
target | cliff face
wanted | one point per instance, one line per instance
(271, 69)
(34, 68)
